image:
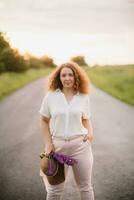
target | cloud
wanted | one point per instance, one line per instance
(2, 5)
(87, 16)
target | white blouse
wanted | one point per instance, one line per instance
(66, 118)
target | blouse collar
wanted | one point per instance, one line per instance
(59, 90)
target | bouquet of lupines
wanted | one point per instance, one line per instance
(63, 159)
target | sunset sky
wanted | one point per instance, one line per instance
(100, 30)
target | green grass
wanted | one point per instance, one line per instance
(116, 80)
(11, 81)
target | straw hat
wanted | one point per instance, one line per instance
(53, 169)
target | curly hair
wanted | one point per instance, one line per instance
(82, 82)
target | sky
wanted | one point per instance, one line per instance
(100, 30)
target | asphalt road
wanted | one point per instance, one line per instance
(21, 142)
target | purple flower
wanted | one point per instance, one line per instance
(63, 158)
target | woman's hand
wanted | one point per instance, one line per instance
(88, 137)
(88, 125)
(49, 148)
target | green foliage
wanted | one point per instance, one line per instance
(2, 67)
(10, 59)
(3, 42)
(38, 63)
(80, 60)
(34, 63)
(47, 61)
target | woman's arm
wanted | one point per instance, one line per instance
(44, 125)
(87, 124)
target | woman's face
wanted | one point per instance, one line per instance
(67, 77)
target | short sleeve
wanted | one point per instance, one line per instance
(44, 109)
(87, 109)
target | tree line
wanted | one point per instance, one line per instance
(12, 61)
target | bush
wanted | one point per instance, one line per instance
(47, 61)
(13, 61)
(34, 63)
(80, 60)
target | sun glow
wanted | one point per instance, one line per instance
(97, 49)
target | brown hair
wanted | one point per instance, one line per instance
(82, 82)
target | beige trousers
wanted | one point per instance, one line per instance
(82, 152)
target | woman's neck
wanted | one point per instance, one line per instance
(68, 91)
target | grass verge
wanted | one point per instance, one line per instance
(116, 80)
(11, 81)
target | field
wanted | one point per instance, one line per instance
(116, 80)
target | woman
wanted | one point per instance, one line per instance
(66, 125)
